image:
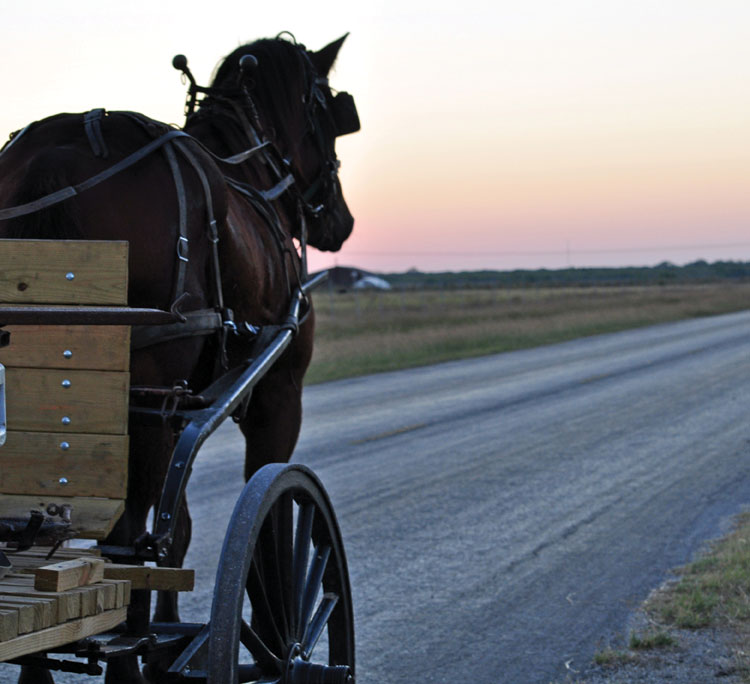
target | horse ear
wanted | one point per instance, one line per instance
(324, 58)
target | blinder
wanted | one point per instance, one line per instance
(344, 113)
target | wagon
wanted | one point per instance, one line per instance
(281, 609)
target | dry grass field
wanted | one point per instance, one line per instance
(371, 331)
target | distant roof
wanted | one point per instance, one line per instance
(346, 277)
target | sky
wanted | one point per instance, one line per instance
(499, 135)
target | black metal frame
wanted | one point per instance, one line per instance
(225, 397)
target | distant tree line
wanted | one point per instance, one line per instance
(662, 274)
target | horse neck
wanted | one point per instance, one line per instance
(258, 256)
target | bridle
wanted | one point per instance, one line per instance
(327, 117)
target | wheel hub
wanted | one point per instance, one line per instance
(300, 671)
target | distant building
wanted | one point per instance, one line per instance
(345, 278)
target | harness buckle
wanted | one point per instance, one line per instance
(182, 248)
(213, 232)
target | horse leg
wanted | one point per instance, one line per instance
(273, 418)
(31, 674)
(272, 422)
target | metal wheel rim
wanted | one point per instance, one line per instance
(284, 556)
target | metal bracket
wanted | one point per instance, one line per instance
(182, 248)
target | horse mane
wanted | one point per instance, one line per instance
(280, 63)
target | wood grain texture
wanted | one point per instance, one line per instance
(35, 272)
(146, 577)
(61, 634)
(69, 574)
(26, 612)
(63, 605)
(94, 401)
(90, 465)
(8, 624)
(91, 347)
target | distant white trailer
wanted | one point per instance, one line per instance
(371, 282)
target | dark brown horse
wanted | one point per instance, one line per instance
(174, 203)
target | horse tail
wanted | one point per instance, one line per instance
(58, 222)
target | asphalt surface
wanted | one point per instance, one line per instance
(503, 515)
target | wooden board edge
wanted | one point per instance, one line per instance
(64, 633)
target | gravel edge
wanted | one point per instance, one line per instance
(698, 656)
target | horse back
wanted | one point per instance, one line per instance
(138, 203)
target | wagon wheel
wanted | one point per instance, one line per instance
(282, 587)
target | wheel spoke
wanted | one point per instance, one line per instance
(264, 619)
(281, 582)
(299, 561)
(268, 662)
(275, 544)
(314, 583)
(318, 624)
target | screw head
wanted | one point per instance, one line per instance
(65, 383)
(68, 354)
(64, 446)
(65, 420)
(63, 480)
(70, 276)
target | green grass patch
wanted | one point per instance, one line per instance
(651, 640)
(715, 589)
(358, 333)
(610, 657)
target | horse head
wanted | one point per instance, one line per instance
(286, 89)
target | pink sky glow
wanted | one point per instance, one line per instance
(494, 135)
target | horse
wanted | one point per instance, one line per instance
(214, 214)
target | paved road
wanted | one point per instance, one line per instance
(502, 515)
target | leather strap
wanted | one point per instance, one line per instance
(202, 322)
(182, 239)
(72, 190)
(92, 124)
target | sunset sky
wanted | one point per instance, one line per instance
(541, 133)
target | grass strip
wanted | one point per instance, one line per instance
(714, 590)
(358, 333)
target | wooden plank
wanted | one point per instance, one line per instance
(122, 588)
(61, 553)
(108, 594)
(91, 518)
(90, 603)
(64, 605)
(36, 272)
(81, 347)
(61, 634)
(68, 574)
(64, 464)
(147, 577)
(44, 610)
(26, 612)
(8, 624)
(51, 400)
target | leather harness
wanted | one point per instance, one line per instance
(172, 141)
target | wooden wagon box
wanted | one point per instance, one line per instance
(66, 446)
(67, 386)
